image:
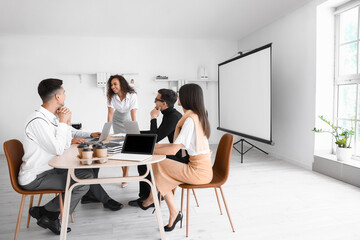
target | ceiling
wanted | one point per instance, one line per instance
(203, 19)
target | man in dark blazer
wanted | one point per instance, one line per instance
(164, 103)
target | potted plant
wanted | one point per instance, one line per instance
(343, 138)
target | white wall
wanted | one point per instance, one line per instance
(26, 60)
(294, 82)
(325, 73)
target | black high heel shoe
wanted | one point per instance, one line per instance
(144, 208)
(179, 217)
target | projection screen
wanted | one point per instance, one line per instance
(244, 95)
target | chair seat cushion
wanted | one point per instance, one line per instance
(28, 192)
(217, 181)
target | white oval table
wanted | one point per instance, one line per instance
(69, 160)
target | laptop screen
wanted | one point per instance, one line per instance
(139, 143)
(131, 127)
(105, 131)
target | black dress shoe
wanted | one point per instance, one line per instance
(53, 225)
(35, 212)
(87, 199)
(133, 203)
(113, 205)
(142, 207)
(179, 217)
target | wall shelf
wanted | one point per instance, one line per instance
(182, 82)
(102, 77)
(166, 80)
(83, 74)
(176, 83)
(207, 81)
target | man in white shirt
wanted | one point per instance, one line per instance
(80, 136)
(47, 134)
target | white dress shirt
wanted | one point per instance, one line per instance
(187, 137)
(126, 105)
(44, 138)
(79, 134)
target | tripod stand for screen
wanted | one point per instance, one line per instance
(241, 141)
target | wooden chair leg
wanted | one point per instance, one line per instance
(40, 197)
(182, 199)
(182, 203)
(187, 212)
(30, 206)
(19, 216)
(61, 205)
(72, 217)
(217, 197)
(125, 174)
(197, 203)
(227, 210)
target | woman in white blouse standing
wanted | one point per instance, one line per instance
(122, 105)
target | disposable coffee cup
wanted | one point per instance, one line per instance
(80, 148)
(87, 153)
(101, 151)
(94, 146)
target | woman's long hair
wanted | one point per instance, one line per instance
(124, 85)
(191, 98)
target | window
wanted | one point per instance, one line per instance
(347, 71)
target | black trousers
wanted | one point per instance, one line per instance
(56, 179)
(144, 188)
(96, 190)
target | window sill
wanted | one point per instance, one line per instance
(346, 171)
(332, 157)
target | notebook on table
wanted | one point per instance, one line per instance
(136, 147)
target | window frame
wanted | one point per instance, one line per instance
(350, 79)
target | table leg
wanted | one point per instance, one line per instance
(65, 217)
(156, 203)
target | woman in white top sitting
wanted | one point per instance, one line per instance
(191, 133)
(122, 98)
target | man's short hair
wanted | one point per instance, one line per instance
(48, 87)
(169, 96)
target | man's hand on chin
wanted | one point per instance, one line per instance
(154, 113)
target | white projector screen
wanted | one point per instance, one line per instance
(245, 95)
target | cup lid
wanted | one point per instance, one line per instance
(87, 150)
(97, 144)
(101, 147)
(82, 145)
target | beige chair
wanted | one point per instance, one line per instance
(14, 152)
(221, 169)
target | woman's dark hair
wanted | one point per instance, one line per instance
(124, 85)
(191, 98)
(169, 96)
(48, 87)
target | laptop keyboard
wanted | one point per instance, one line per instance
(92, 140)
(131, 157)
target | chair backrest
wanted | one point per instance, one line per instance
(221, 165)
(14, 152)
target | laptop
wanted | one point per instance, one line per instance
(136, 147)
(104, 134)
(131, 127)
